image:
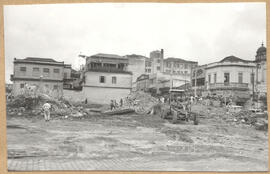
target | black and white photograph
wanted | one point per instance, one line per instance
(136, 87)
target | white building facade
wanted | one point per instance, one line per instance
(106, 78)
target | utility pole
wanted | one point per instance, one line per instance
(252, 78)
(171, 83)
(195, 90)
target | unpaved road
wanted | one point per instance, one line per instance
(144, 141)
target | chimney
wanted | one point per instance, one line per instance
(162, 54)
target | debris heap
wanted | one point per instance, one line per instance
(141, 102)
(30, 104)
(258, 120)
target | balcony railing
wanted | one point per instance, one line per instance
(107, 69)
(238, 86)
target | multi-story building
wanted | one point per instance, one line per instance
(156, 59)
(231, 76)
(106, 78)
(148, 66)
(44, 73)
(179, 66)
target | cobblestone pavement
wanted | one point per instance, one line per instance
(45, 164)
(126, 164)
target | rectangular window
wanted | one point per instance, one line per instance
(215, 78)
(209, 78)
(114, 80)
(158, 68)
(46, 72)
(186, 66)
(102, 79)
(22, 85)
(36, 72)
(56, 70)
(23, 71)
(55, 87)
(65, 75)
(36, 69)
(149, 70)
(158, 61)
(22, 68)
(226, 77)
(240, 77)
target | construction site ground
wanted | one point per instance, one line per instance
(135, 142)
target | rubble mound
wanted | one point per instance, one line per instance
(30, 105)
(141, 102)
(33, 102)
(258, 120)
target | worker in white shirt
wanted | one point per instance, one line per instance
(46, 109)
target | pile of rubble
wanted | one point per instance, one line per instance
(258, 120)
(141, 102)
(31, 106)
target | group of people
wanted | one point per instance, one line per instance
(115, 105)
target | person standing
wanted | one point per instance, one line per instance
(121, 102)
(46, 109)
(112, 105)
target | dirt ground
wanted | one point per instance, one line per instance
(148, 141)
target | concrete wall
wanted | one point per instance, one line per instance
(122, 80)
(104, 95)
(75, 96)
(29, 71)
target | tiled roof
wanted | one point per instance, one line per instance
(40, 59)
(135, 55)
(234, 59)
(170, 59)
(108, 56)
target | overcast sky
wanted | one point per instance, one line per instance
(203, 32)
